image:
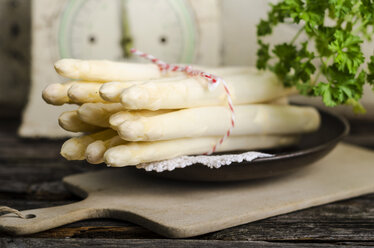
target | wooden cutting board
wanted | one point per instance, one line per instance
(185, 209)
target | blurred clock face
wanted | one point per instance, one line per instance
(97, 29)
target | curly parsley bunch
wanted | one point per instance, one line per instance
(337, 55)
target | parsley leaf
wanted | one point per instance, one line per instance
(263, 55)
(347, 50)
(370, 76)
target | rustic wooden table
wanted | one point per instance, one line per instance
(30, 177)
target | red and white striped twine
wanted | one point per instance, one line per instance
(213, 80)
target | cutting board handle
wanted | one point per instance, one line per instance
(42, 219)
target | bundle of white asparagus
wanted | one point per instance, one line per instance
(132, 113)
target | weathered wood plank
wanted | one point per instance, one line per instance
(14, 148)
(268, 231)
(351, 220)
(303, 231)
(128, 231)
(33, 179)
(109, 243)
(21, 203)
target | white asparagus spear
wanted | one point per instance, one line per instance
(279, 101)
(98, 114)
(57, 94)
(111, 91)
(75, 148)
(105, 71)
(85, 92)
(193, 92)
(118, 118)
(70, 121)
(72, 92)
(252, 119)
(135, 153)
(95, 151)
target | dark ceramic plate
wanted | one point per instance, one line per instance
(312, 147)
